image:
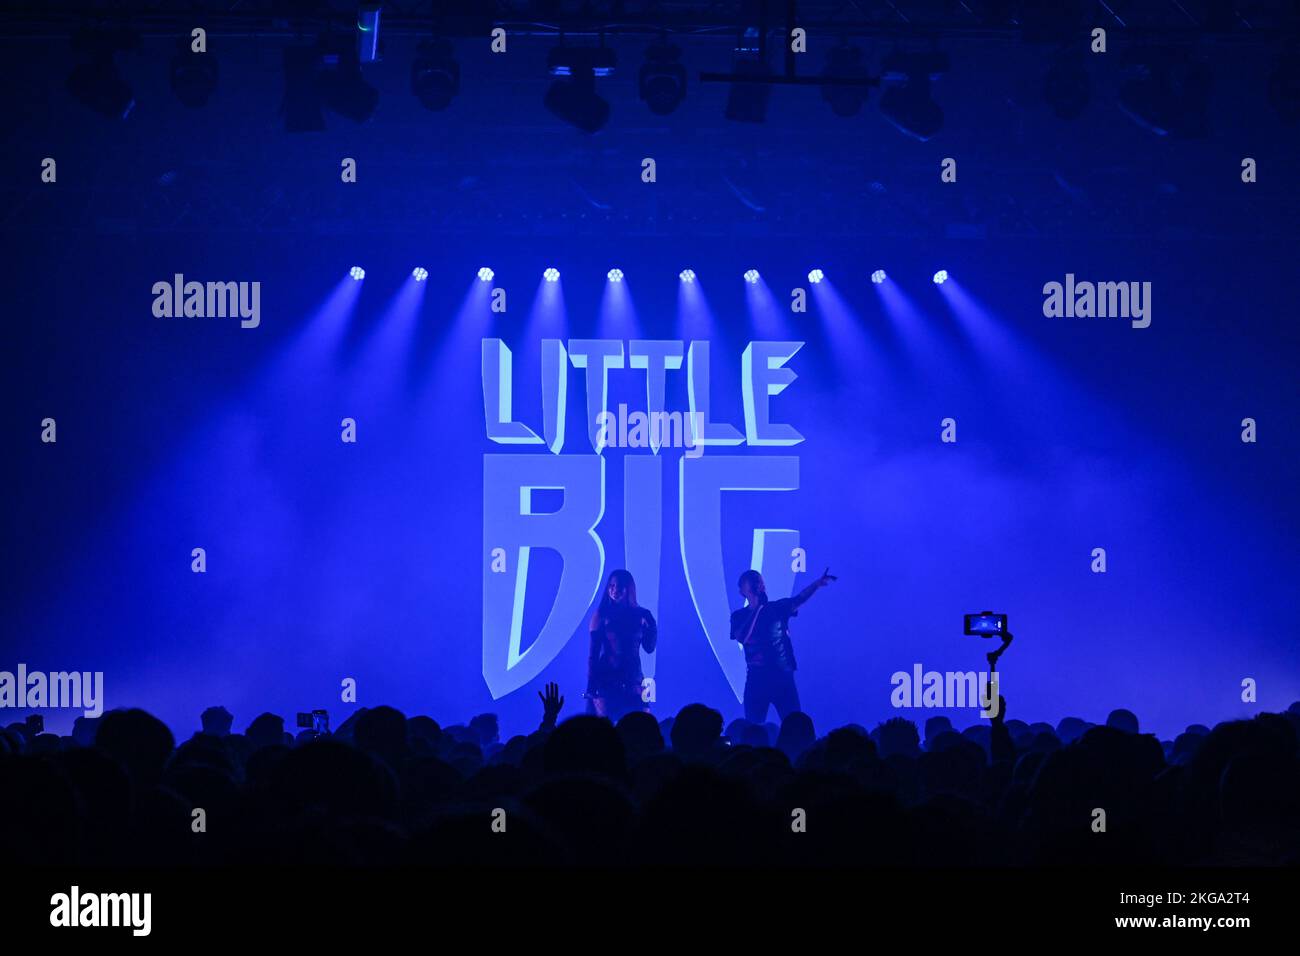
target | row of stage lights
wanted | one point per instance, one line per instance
(751, 276)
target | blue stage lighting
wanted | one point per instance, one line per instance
(751, 276)
(485, 274)
(816, 276)
(551, 275)
(357, 273)
(878, 276)
(614, 275)
(368, 32)
(941, 277)
(687, 275)
(419, 274)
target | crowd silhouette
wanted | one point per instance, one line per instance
(387, 789)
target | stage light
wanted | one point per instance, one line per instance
(576, 102)
(941, 277)
(687, 275)
(614, 275)
(368, 32)
(435, 76)
(816, 276)
(573, 97)
(419, 274)
(95, 81)
(844, 63)
(662, 83)
(907, 104)
(551, 275)
(485, 274)
(345, 90)
(193, 75)
(576, 60)
(357, 273)
(878, 276)
(751, 276)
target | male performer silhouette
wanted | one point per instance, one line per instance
(763, 629)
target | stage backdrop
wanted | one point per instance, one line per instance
(473, 415)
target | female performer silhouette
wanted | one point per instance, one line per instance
(619, 629)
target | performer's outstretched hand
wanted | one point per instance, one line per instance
(813, 588)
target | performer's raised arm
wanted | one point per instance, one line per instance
(811, 589)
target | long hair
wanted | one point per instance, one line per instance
(629, 584)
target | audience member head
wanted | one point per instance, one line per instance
(487, 728)
(382, 731)
(897, 737)
(936, 726)
(216, 721)
(84, 730)
(585, 744)
(266, 730)
(1124, 720)
(140, 741)
(1069, 729)
(640, 734)
(696, 731)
